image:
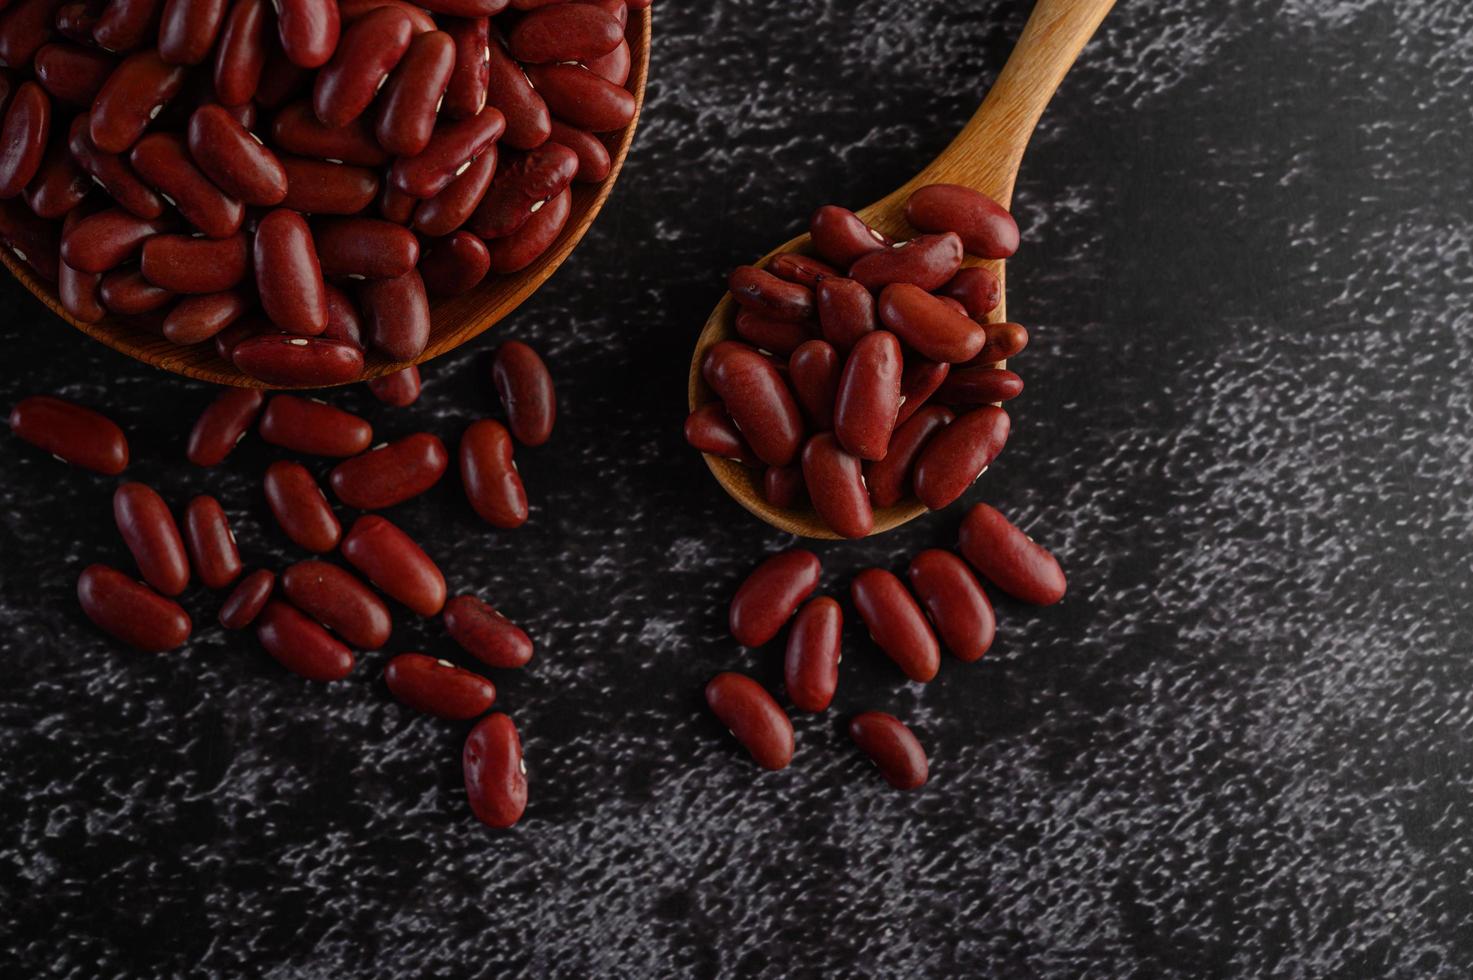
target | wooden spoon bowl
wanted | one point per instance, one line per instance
(984, 156)
(453, 321)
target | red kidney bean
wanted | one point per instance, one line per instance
(343, 322)
(125, 24)
(765, 333)
(465, 95)
(300, 645)
(975, 288)
(369, 49)
(308, 30)
(23, 138)
(182, 264)
(438, 687)
(78, 20)
(980, 386)
(495, 772)
(526, 391)
(1010, 559)
(929, 326)
(584, 99)
(241, 53)
(79, 292)
(304, 425)
(889, 479)
(451, 151)
(753, 718)
(365, 248)
(351, 10)
(397, 315)
(527, 244)
(105, 240)
(486, 634)
(487, 471)
(958, 454)
(246, 328)
(59, 185)
(986, 228)
(467, 8)
(149, 531)
(300, 507)
(130, 611)
(565, 32)
(297, 130)
(846, 312)
(811, 666)
(72, 73)
(126, 292)
(406, 118)
(162, 161)
(33, 240)
(918, 382)
(522, 187)
(782, 486)
(896, 623)
(928, 261)
(868, 401)
(892, 747)
(711, 430)
(955, 602)
(335, 598)
(757, 399)
(842, 237)
(400, 389)
(594, 162)
(197, 318)
(188, 30)
(770, 594)
(528, 122)
(222, 425)
(288, 274)
(390, 474)
(112, 172)
(813, 372)
(614, 8)
(615, 66)
(24, 27)
(453, 207)
(801, 269)
(1004, 341)
(212, 549)
(247, 599)
(71, 433)
(455, 264)
(234, 159)
(132, 96)
(768, 296)
(397, 206)
(835, 484)
(393, 562)
(318, 187)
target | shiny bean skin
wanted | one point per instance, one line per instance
(811, 664)
(400, 389)
(130, 611)
(489, 475)
(918, 382)
(59, 184)
(594, 162)
(975, 288)
(247, 599)
(222, 425)
(531, 241)
(390, 474)
(486, 634)
(297, 130)
(395, 564)
(616, 9)
(892, 747)
(868, 401)
(338, 600)
(1004, 340)
(805, 270)
(31, 239)
(466, 8)
(753, 718)
(453, 207)
(364, 248)
(927, 325)
(987, 230)
(465, 95)
(835, 484)
(241, 53)
(757, 399)
(318, 187)
(112, 173)
(782, 486)
(198, 318)
(928, 261)
(369, 49)
(615, 66)
(132, 96)
(526, 391)
(162, 161)
(23, 136)
(73, 434)
(438, 687)
(955, 601)
(576, 94)
(396, 315)
(351, 10)
(125, 24)
(980, 386)
(766, 295)
(841, 236)
(343, 322)
(495, 772)
(78, 20)
(522, 187)
(407, 109)
(25, 25)
(896, 623)
(308, 30)
(846, 312)
(958, 454)
(126, 292)
(235, 160)
(1010, 559)
(528, 122)
(212, 550)
(304, 425)
(288, 274)
(396, 206)
(188, 30)
(564, 32)
(451, 151)
(300, 508)
(149, 531)
(79, 292)
(183, 264)
(711, 430)
(72, 73)
(771, 594)
(454, 265)
(814, 370)
(105, 240)
(300, 645)
(776, 336)
(889, 479)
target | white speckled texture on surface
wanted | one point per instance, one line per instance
(1240, 747)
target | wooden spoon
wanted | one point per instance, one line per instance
(984, 156)
(453, 321)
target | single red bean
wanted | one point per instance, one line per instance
(247, 599)
(889, 479)
(241, 53)
(594, 162)
(24, 27)
(300, 645)
(1004, 341)
(892, 747)
(753, 718)
(59, 185)
(78, 20)
(583, 98)
(928, 261)
(112, 172)
(351, 10)
(197, 318)
(896, 623)
(814, 370)
(125, 24)
(369, 49)
(79, 292)
(980, 386)
(811, 666)
(465, 95)
(71, 433)
(955, 602)
(300, 507)
(765, 333)
(918, 382)
(105, 240)
(335, 598)
(846, 312)
(520, 249)
(393, 562)
(975, 288)
(929, 326)
(711, 430)
(757, 399)
(364, 248)
(782, 486)
(130, 611)
(23, 137)
(162, 161)
(288, 274)
(801, 269)
(835, 482)
(304, 425)
(771, 593)
(451, 151)
(528, 122)
(958, 454)
(406, 118)
(495, 772)
(486, 634)
(1010, 559)
(868, 401)
(842, 237)
(526, 391)
(319, 187)
(397, 315)
(296, 129)
(222, 425)
(132, 96)
(188, 30)
(615, 66)
(453, 207)
(127, 292)
(489, 474)
(212, 549)
(986, 228)
(343, 322)
(522, 187)
(454, 265)
(308, 30)
(767, 295)
(400, 389)
(72, 73)
(149, 531)
(234, 159)
(183, 264)
(565, 32)
(391, 474)
(438, 687)
(31, 239)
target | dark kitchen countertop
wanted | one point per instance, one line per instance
(1239, 747)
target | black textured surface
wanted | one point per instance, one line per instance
(1239, 747)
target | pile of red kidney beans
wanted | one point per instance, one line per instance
(313, 614)
(292, 180)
